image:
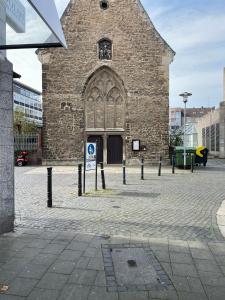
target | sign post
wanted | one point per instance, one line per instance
(90, 159)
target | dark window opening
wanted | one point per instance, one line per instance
(104, 4)
(105, 49)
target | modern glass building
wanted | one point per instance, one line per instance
(29, 101)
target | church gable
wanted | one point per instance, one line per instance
(111, 85)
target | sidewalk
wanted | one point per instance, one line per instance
(39, 264)
(151, 239)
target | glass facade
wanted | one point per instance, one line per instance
(28, 101)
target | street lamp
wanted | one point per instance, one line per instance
(185, 100)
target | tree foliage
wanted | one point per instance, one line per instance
(21, 125)
(176, 137)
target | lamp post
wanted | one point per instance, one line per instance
(185, 100)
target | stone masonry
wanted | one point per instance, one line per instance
(6, 148)
(112, 80)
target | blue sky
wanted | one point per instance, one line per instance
(194, 29)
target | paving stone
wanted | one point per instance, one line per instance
(164, 295)
(184, 258)
(87, 238)
(133, 296)
(53, 249)
(82, 262)
(184, 270)
(212, 279)
(21, 286)
(53, 281)
(6, 255)
(180, 283)
(90, 252)
(10, 297)
(215, 293)
(43, 294)
(70, 255)
(39, 243)
(84, 277)
(33, 271)
(74, 292)
(62, 267)
(163, 256)
(100, 293)
(192, 296)
(206, 265)
(78, 246)
(217, 248)
(220, 260)
(195, 285)
(100, 279)
(7, 276)
(44, 259)
(15, 264)
(49, 235)
(27, 253)
(95, 264)
(202, 254)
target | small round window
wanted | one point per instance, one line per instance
(104, 4)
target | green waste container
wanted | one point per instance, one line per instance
(179, 156)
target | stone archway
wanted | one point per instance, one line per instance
(104, 101)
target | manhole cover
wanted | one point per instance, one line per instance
(133, 267)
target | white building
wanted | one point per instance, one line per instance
(28, 101)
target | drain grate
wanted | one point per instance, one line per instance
(133, 268)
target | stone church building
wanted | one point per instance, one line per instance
(111, 85)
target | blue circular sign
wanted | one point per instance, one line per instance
(91, 149)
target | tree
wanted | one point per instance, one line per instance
(176, 137)
(21, 125)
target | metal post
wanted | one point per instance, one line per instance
(173, 164)
(142, 168)
(96, 167)
(49, 203)
(160, 165)
(192, 163)
(103, 176)
(185, 159)
(124, 172)
(84, 173)
(80, 180)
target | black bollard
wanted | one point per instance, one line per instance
(49, 185)
(142, 168)
(160, 166)
(103, 175)
(124, 172)
(173, 164)
(80, 180)
(192, 163)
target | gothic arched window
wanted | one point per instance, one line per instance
(105, 49)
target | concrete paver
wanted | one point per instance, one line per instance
(57, 253)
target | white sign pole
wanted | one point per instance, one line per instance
(90, 156)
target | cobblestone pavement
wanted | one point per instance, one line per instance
(180, 206)
(151, 239)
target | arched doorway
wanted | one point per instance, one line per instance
(105, 113)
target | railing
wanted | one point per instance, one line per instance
(26, 141)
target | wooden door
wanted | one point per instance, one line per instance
(114, 149)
